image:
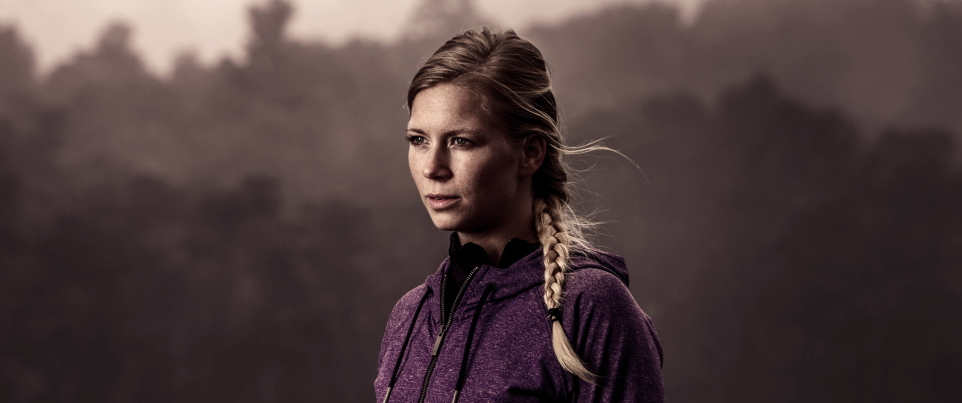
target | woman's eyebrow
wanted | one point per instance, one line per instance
(449, 132)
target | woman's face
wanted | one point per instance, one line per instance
(469, 174)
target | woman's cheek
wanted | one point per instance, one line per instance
(414, 165)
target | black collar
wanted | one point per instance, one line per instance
(466, 257)
(471, 255)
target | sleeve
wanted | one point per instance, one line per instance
(615, 339)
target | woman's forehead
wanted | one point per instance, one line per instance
(446, 107)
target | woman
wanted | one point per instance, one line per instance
(523, 309)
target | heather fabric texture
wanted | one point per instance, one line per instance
(470, 255)
(511, 358)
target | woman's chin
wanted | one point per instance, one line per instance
(445, 223)
(451, 222)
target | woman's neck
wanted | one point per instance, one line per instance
(515, 222)
(493, 241)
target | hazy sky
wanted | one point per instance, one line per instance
(58, 28)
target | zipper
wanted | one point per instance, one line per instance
(444, 328)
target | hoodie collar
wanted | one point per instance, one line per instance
(471, 254)
(528, 272)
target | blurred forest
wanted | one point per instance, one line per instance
(240, 231)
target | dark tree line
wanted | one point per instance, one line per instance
(882, 62)
(240, 231)
(793, 261)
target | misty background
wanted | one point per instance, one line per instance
(238, 229)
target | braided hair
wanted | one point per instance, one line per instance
(509, 77)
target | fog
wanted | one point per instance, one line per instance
(215, 28)
(239, 229)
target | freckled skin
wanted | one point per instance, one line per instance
(455, 151)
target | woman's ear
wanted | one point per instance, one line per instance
(534, 152)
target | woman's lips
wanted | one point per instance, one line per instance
(441, 202)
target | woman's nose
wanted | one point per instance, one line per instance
(436, 165)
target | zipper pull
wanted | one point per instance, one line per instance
(437, 344)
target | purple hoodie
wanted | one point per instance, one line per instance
(498, 345)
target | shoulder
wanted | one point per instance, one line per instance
(596, 272)
(409, 301)
(592, 280)
(610, 332)
(606, 321)
(597, 287)
(592, 288)
(401, 314)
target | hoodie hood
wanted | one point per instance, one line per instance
(600, 259)
(528, 272)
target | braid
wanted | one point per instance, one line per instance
(554, 238)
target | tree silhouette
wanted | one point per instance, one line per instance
(442, 18)
(16, 66)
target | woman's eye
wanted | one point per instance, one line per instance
(461, 141)
(414, 140)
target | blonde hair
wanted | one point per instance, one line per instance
(511, 80)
